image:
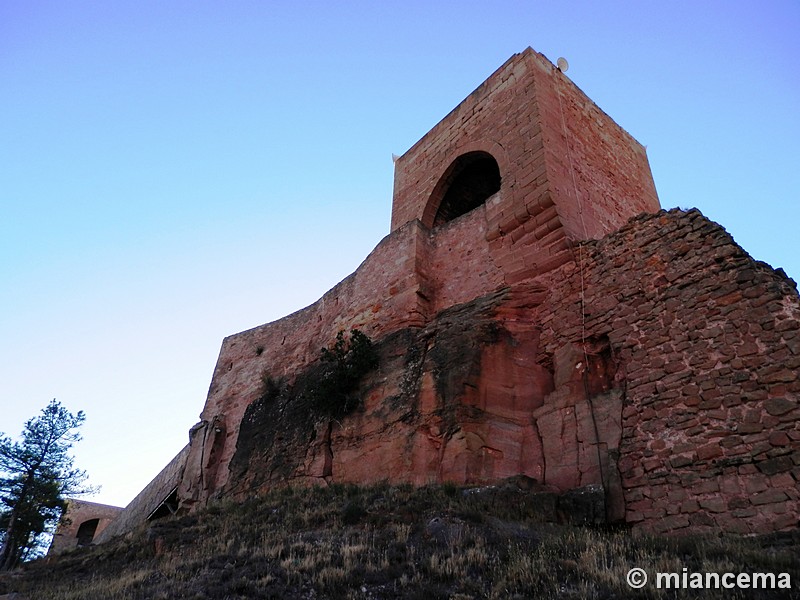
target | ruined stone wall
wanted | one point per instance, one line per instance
(707, 346)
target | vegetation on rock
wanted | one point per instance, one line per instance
(330, 387)
(345, 363)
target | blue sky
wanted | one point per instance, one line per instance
(174, 172)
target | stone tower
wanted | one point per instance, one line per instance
(494, 195)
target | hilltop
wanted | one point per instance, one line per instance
(384, 541)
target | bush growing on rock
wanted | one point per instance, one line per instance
(344, 364)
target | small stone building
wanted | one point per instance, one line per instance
(81, 524)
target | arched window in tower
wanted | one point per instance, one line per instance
(469, 181)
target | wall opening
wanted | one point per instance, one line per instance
(167, 507)
(86, 532)
(469, 181)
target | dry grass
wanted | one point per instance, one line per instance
(388, 542)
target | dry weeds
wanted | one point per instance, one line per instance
(388, 542)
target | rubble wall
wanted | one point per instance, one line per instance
(707, 342)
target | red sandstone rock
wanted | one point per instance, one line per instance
(505, 398)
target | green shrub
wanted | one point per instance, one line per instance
(450, 489)
(333, 393)
(271, 388)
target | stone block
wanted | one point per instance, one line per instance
(768, 497)
(779, 406)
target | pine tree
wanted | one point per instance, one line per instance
(36, 476)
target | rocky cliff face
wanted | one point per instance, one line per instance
(458, 400)
(422, 416)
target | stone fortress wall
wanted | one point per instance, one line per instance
(157, 499)
(535, 313)
(517, 119)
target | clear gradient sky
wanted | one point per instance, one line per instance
(175, 172)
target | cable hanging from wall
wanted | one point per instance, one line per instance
(562, 66)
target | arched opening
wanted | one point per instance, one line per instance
(86, 532)
(469, 181)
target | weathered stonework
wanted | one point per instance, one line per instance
(157, 499)
(82, 524)
(661, 364)
(706, 345)
(534, 313)
(543, 133)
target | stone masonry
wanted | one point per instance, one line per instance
(555, 151)
(83, 522)
(706, 342)
(534, 313)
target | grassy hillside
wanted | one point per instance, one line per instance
(392, 542)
